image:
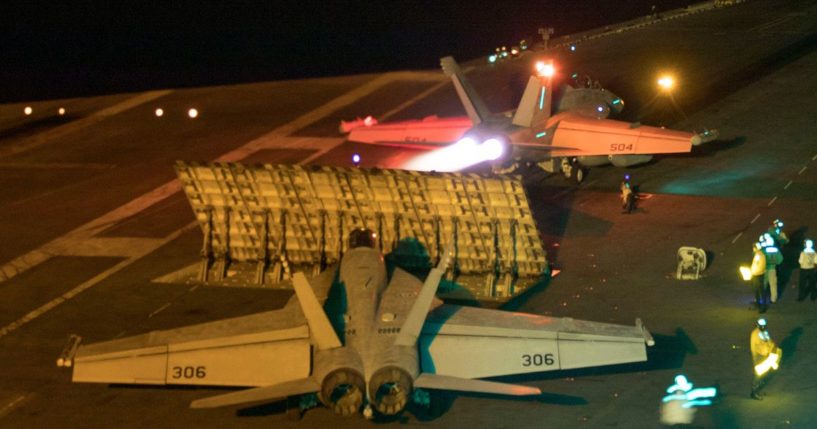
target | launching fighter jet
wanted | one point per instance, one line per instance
(394, 336)
(569, 135)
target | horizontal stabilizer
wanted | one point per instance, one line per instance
(411, 328)
(445, 382)
(259, 394)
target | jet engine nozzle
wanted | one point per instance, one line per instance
(342, 391)
(390, 390)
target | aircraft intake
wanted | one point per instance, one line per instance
(390, 388)
(342, 391)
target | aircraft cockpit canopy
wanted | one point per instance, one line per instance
(362, 237)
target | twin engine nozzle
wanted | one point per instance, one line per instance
(343, 390)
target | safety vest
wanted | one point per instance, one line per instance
(807, 259)
(773, 257)
(761, 345)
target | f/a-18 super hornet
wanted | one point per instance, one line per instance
(390, 337)
(569, 133)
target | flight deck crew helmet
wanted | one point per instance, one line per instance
(808, 245)
(761, 324)
(777, 223)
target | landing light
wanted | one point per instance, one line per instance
(61, 111)
(666, 82)
(193, 113)
(159, 112)
(492, 58)
(356, 159)
(28, 110)
(544, 70)
(572, 48)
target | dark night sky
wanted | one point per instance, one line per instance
(48, 50)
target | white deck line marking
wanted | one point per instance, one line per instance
(736, 237)
(801, 170)
(193, 288)
(754, 219)
(56, 166)
(159, 310)
(10, 406)
(814, 158)
(63, 130)
(772, 201)
(86, 231)
(413, 100)
(90, 283)
(787, 185)
(319, 153)
(37, 256)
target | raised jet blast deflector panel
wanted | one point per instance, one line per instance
(274, 217)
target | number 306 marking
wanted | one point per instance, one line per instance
(538, 360)
(189, 372)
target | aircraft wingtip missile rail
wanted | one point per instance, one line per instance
(66, 359)
(647, 336)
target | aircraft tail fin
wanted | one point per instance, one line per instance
(529, 104)
(411, 328)
(473, 104)
(319, 326)
(445, 382)
(536, 104)
(259, 394)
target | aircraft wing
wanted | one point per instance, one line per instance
(426, 133)
(578, 135)
(469, 342)
(256, 350)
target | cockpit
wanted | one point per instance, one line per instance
(362, 237)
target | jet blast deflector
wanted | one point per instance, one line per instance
(261, 221)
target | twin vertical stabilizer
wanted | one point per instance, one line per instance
(474, 106)
(534, 107)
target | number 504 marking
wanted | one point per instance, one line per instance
(538, 360)
(620, 147)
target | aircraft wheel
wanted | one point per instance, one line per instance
(580, 173)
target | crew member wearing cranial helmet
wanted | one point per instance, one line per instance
(765, 356)
(807, 283)
(773, 258)
(758, 272)
(776, 232)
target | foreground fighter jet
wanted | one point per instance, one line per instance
(570, 136)
(392, 336)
